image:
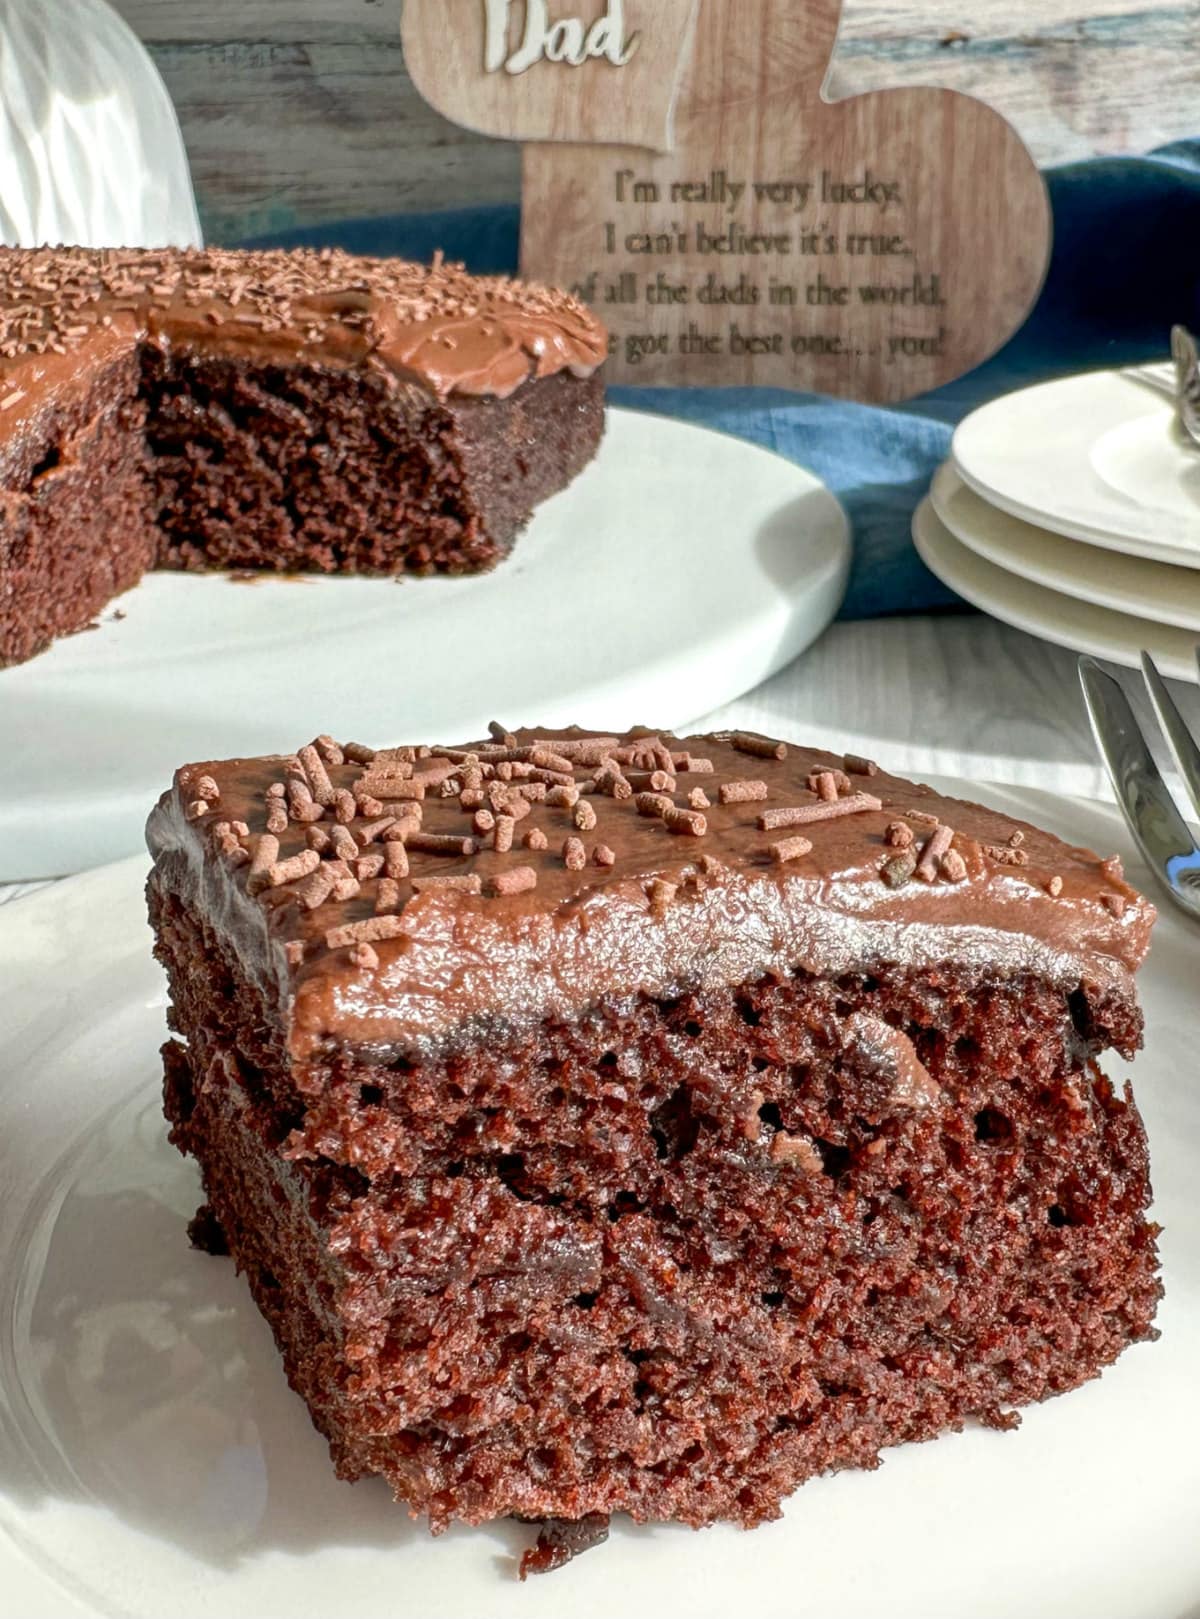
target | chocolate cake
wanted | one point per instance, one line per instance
(641, 1124)
(283, 411)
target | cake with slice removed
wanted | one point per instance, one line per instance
(639, 1124)
(288, 412)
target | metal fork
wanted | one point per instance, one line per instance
(1161, 832)
(1187, 376)
(1177, 379)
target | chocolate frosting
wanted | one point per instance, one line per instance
(672, 913)
(65, 310)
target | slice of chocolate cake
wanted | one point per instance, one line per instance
(283, 411)
(642, 1124)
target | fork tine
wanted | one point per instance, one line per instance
(1180, 740)
(1149, 808)
(1160, 379)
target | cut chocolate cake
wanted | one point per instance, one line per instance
(283, 411)
(635, 1124)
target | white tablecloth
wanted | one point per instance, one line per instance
(953, 695)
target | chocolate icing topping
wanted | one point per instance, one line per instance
(673, 911)
(65, 309)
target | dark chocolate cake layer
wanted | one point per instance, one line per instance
(75, 528)
(284, 411)
(645, 1125)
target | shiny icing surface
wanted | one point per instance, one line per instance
(673, 912)
(64, 309)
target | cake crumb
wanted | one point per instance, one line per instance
(562, 1539)
(899, 871)
(953, 867)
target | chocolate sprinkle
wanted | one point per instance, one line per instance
(858, 766)
(760, 747)
(368, 932)
(742, 792)
(316, 888)
(790, 849)
(435, 843)
(686, 823)
(807, 814)
(266, 853)
(840, 779)
(464, 885)
(518, 880)
(929, 864)
(395, 859)
(653, 805)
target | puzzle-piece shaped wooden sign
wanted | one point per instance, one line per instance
(683, 174)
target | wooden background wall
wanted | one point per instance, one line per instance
(297, 111)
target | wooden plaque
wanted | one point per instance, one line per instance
(745, 231)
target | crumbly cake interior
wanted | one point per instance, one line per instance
(672, 1254)
(678, 1258)
(77, 528)
(204, 463)
(303, 469)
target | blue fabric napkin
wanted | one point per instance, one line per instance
(1126, 267)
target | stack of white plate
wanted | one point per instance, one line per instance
(1072, 510)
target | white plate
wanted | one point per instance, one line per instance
(1079, 625)
(153, 1461)
(1152, 590)
(683, 568)
(1096, 457)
